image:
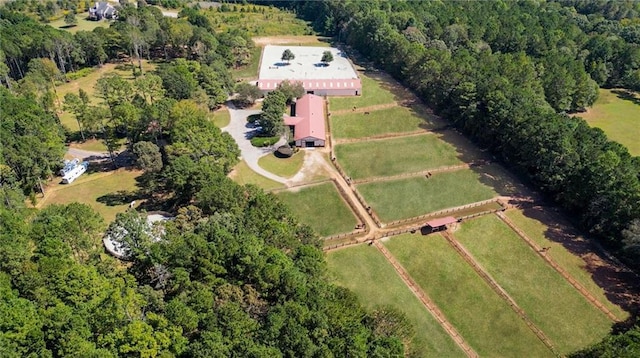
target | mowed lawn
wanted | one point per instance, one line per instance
(366, 272)
(90, 187)
(374, 93)
(243, 175)
(414, 196)
(321, 207)
(395, 156)
(284, 167)
(618, 115)
(483, 319)
(558, 309)
(541, 233)
(83, 24)
(384, 121)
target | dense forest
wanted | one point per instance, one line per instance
(233, 275)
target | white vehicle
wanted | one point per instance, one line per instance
(68, 166)
(77, 171)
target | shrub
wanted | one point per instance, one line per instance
(264, 141)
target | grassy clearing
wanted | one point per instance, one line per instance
(267, 21)
(539, 231)
(221, 117)
(380, 122)
(405, 198)
(89, 188)
(483, 319)
(87, 83)
(617, 113)
(83, 24)
(321, 207)
(374, 92)
(242, 175)
(395, 156)
(366, 272)
(570, 322)
(284, 167)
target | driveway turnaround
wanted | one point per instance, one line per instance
(242, 132)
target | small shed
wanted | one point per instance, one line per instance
(440, 224)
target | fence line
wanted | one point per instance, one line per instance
(390, 136)
(302, 185)
(426, 173)
(444, 211)
(542, 253)
(499, 290)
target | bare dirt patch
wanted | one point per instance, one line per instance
(283, 40)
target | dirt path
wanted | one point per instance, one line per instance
(426, 301)
(543, 253)
(294, 40)
(355, 109)
(462, 251)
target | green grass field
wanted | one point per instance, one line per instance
(618, 115)
(89, 187)
(267, 21)
(83, 24)
(221, 117)
(542, 234)
(553, 305)
(284, 167)
(380, 122)
(410, 197)
(395, 156)
(321, 207)
(242, 175)
(483, 319)
(374, 93)
(365, 271)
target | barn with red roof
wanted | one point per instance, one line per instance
(308, 121)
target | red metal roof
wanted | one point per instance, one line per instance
(442, 221)
(309, 119)
(313, 85)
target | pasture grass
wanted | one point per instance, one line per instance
(395, 156)
(88, 188)
(553, 305)
(374, 92)
(414, 196)
(617, 113)
(243, 175)
(84, 24)
(321, 207)
(283, 167)
(366, 272)
(483, 319)
(384, 121)
(267, 21)
(544, 231)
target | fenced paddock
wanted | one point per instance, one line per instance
(415, 196)
(364, 270)
(384, 121)
(395, 156)
(321, 207)
(553, 305)
(485, 321)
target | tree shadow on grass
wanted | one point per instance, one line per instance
(120, 197)
(627, 95)
(620, 284)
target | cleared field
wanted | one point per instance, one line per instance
(366, 272)
(553, 305)
(284, 167)
(617, 113)
(395, 156)
(83, 24)
(87, 83)
(380, 122)
(374, 93)
(321, 207)
(96, 190)
(242, 175)
(258, 20)
(543, 235)
(483, 319)
(406, 198)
